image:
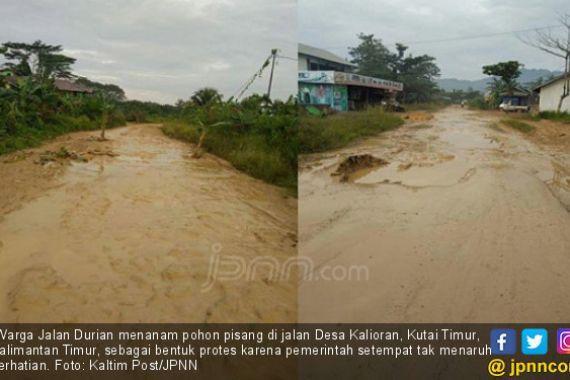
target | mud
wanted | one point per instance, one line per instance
(130, 236)
(417, 116)
(466, 224)
(62, 156)
(356, 166)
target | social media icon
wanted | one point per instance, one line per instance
(563, 341)
(503, 341)
(534, 341)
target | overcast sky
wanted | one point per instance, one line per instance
(163, 50)
(334, 24)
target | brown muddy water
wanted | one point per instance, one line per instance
(131, 238)
(465, 224)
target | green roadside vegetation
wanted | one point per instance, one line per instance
(432, 106)
(479, 103)
(563, 117)
(257, 136)
(317, 134)
(32, 109)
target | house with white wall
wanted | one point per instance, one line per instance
(550, 93)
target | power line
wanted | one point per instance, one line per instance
(485, 35)
(463, 38)
(250, 81)
(244, 87)
(285, 57)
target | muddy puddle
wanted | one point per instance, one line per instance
(464, 224)
(132, 238)
(354, 167)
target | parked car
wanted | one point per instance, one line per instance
(508, 107)
(393, 106)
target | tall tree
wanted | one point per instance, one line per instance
(206, 96)
(508, 71)
(558, 46)
(3, 72)
(417, 73)
(505, 75)
(372, 57)
(38, 59)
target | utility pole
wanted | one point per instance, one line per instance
(273, 56)
(567, 65)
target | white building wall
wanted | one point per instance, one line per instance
(303, 63)
(550, 96)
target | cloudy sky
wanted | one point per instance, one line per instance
(163, 50)
(334, 24)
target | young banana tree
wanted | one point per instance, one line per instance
(107, 109)
(203, 129)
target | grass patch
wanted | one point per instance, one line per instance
(26, 136)
(563, 117)
(518, 125)
(335, 131)
(248, 152)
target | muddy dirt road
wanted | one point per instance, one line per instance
(130, 238)
(467, 223)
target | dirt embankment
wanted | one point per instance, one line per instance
(551, 134)
(134, 230)
(548, 133)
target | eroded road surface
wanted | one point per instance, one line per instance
(129, 236)
(467, 223)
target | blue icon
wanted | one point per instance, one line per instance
(503, 341)
(534, 341)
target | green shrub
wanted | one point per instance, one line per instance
(479, 103)
(65, 123)
(563, 117)
(427, 106)
(142, 112)
(117, 118)
(32, 111)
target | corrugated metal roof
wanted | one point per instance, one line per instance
(518, 91)
(61, 85)
(323, 54)
(69, 86)
(548, 83)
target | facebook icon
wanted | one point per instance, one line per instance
(503, 341)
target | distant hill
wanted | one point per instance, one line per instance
(527, 76)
